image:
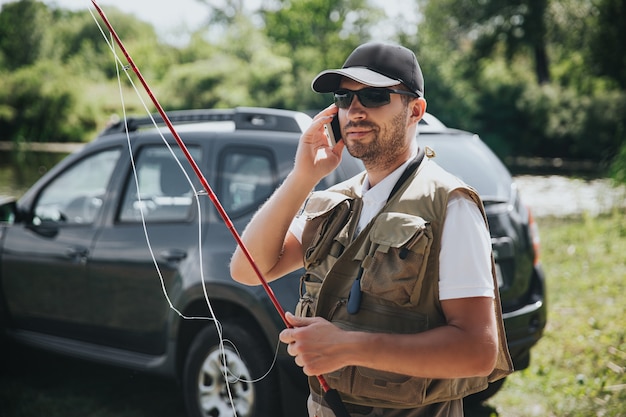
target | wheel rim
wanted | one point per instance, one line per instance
(213, 388)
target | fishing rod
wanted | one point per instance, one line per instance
(331, 396)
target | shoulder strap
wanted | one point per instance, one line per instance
(410, 169)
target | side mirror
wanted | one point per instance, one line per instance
(8, 210)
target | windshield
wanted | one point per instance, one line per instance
(467, 157)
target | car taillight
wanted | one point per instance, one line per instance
(534, 236)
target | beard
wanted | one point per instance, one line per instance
(389, 141)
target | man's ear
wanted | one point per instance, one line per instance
(418, 108)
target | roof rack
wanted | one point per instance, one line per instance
(245, 118)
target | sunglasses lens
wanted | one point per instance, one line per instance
(369, 97)
(343, 98)
(374, 97)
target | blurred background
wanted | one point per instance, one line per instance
(543, 82)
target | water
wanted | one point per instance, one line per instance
(18, 171)
(555, 195)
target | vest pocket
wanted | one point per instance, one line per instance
(320, 233)
(309, 292)
(383, 388)
(395, 389)
(398, 253)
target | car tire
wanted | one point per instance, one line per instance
(205, 391)
(482, 396)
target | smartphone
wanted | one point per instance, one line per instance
(333, 131)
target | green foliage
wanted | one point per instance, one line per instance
(505, 27)
(618, 166)
(486, 66)
(317, 34)
(52, 84)
(520, 118)
(79, 44)
(577, 369)
(478, 77)
(23, 32)
(607, 52)
(243, 70)
(37, 100)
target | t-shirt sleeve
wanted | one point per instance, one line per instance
(297, 227)
(465, 257)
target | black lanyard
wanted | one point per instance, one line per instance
(410, 169)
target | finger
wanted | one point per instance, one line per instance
(328, 111)
(338, 148)
(291, 319)
(291, 349)
(315, 132)
(286, 336)
(298, 361)
(298, 321)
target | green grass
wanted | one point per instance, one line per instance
(577, 369)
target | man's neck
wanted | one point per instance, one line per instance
(376, 174)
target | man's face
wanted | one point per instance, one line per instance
(376, 135)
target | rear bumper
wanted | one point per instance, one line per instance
(524, 326)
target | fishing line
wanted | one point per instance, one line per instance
(134, 170)
(196, 193)
(218, 326)
(331, 396)
(259, 379)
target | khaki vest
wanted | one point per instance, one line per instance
(397, 257)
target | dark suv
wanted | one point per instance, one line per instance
(126, 263)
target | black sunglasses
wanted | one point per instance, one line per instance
(369, 97)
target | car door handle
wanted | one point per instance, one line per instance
(173, 255)
(77, 253)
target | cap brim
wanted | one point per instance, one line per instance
(328, 81)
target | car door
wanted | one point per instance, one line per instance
(152, 234)
(45, 257)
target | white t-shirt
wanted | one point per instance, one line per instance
(465, 257)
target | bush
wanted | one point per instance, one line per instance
(37, 100)
(618, 167)
(521, 119)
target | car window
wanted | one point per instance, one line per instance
(247, 178)
(164, 191)
(76, 195)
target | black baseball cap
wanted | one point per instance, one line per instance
(375, 64)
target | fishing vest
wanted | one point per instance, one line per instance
(393, 264)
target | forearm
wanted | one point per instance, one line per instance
(466, 346)
(264, 236)
(444, 352)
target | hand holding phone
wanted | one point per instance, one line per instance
(333, 131)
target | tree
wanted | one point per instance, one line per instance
(226, 12)
(318, 34)
(242, 69)
(607, 52)
(57, 72)
(23, 27)
(38, 99)
(489, 26)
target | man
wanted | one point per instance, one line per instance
(399, 310)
